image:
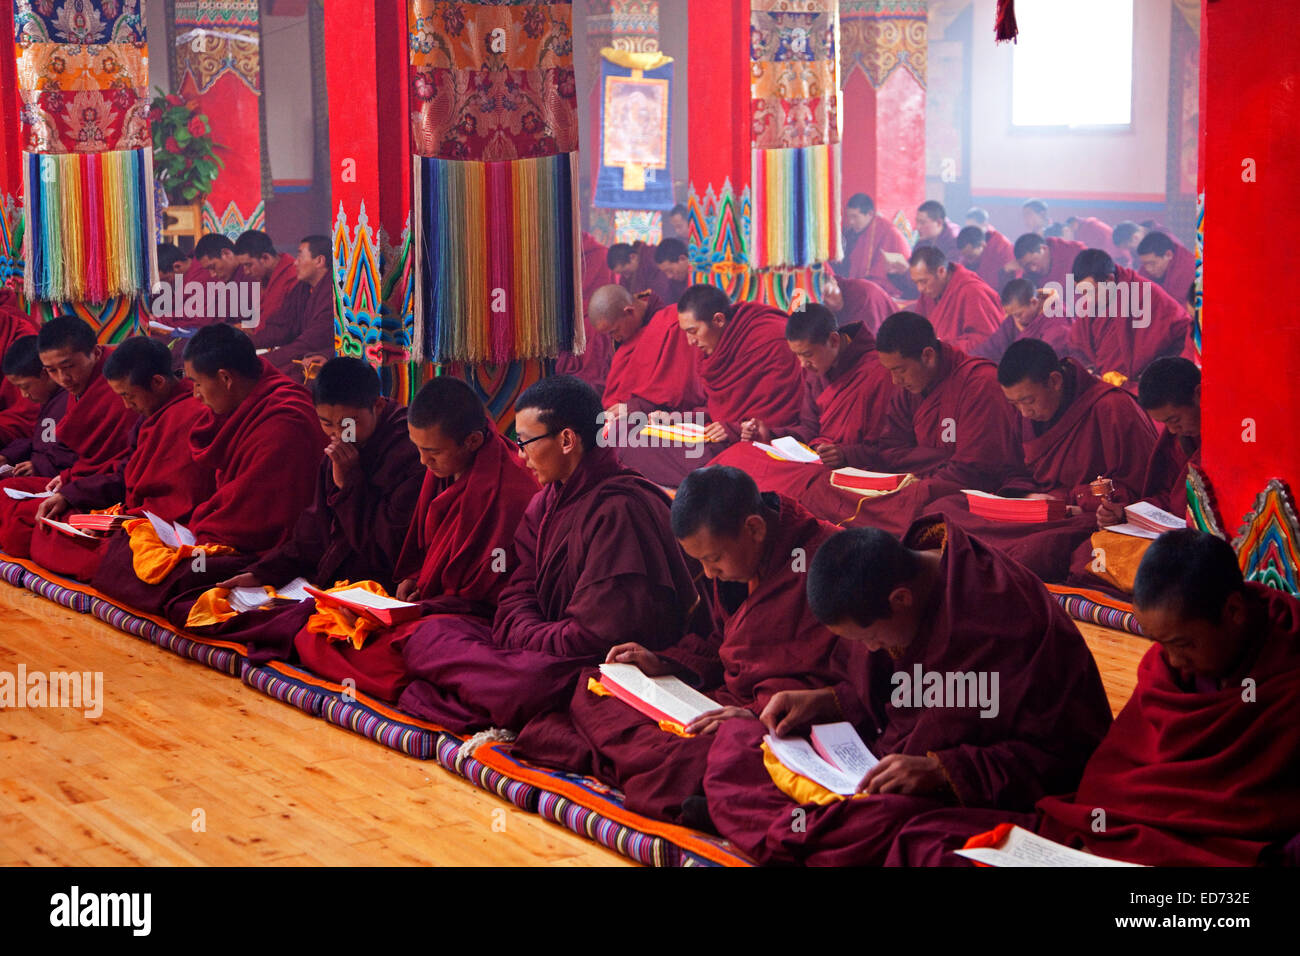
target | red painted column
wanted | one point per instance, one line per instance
(1250, 110)
(718, 88)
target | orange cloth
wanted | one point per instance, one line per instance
(153, 560)
(340, 624)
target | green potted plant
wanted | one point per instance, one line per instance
(184, 160)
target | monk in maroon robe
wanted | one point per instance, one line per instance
(301, 331)
(1091, 231)
(1120, 344)
(763, 641)
(637, 270)
(365, 494)
(846, 392)
(872, 236)
(1025, 319)
(747, 371)
(157, 474)
(1076, 429)
(672, 257)
(275, 274)
(96, 425)
(935, 231)
(592, 366)
(38, 453)
(653, 364)
(858, 300)
(594, 566)
(963, 310)
(454, 560)
(261, 438)
(1125, 237)
(215, 263)
(1170, 393)
(988, 254)
(17, 413)
(1046, 260)
(1020, 704)
(1167, 263)
(1198, 769)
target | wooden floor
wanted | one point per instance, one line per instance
(179, 745)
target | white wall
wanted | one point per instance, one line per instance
(1123, 164)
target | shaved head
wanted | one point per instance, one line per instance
(616, 312)
(608, 302)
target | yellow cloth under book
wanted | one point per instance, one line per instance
(340, 624)
(795, 786)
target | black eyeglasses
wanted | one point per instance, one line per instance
(523, 444)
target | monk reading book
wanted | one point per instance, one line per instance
(261, 438)
(157, 474)
(988, 254)
(1170, 392)
(39, 452)
(1075, 428)
(637, 270)
(302, 327)
(1116, 341)
(275, 273)
(754, 547)
(454, 559)
(985, 696)
(1167, 263)
(872, 237)
(593, 566)
(963, 310)
(1199, 767)
(653, 363)
(96, 426)
(1025, 319)
(365, 493)
(17, 412)
(746, 369)
(1046, 260)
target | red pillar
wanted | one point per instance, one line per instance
(1250, 111)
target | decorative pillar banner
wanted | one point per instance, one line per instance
(219, 62)
(494, 127)
(635, 158)
(83, 76)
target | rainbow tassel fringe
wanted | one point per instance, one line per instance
(88, 224)
(498, 264)
(796, 220)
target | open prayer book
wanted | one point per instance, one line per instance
(244, 600)
(1023, 848)
(20, 495)
(688, 432)
(997, 508)
(69, 529)
(6, 469)
(171, 533)
(833, 756)
(897, 258)
(787, 448)
(1146, 517)
(857, 480)
(381, 610)
(98, 522)
(659, 698)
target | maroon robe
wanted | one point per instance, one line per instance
(750, 374)
(158, 474)
(1051, 713)
(867, 260)
(648, 275)
(592, 366)
(196, 273)
(967, 311)
(264, 455)
(1054, 330)
(845, 407)
(997, 262)
(40, 445)
(1100, 431)
(866, 302)
(764, 640)
(17, 414)
(945, 242)
(1186, 776)
(302, 325)
(1179, 276)
(283, 277)
(97, 427)
(354, 533)
(656, 364)
(1061, 263)
(1095, 234)
(1112, 344)
(596, 566)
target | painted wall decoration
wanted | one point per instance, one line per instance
(218, 62)
(1268, 543)
(878, 37)
(494, 129)
(635, 170)
(87, 179)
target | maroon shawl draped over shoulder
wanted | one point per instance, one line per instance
(656, 365)
(1063, 253)
(1051, 713)
(1112, 344)
(97, 426)
(997, 262)
(1178, 277)
(752, 373)
(302, 325)
(867, 260)
(17, 414)
(966, 313)
(866, 302)
(1054, 330)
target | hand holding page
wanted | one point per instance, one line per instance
(841, 746)
(791, 449)
(173, 534)
(375, 607)
(1023, 848)
(68, 529)
(659, 698)
(836, 758)
(1148, 516)
(295, 590)
(244, 600)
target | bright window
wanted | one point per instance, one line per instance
(1073, 63)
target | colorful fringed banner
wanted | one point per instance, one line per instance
(796, 206)
(498, 276)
